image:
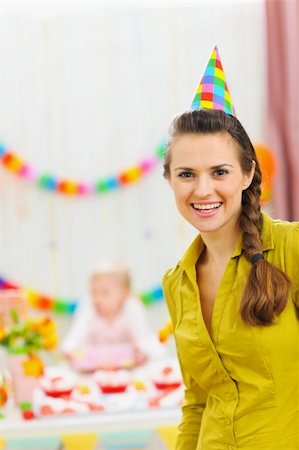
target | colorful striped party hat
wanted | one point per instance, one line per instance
(212, 91)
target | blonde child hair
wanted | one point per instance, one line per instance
(115, 268)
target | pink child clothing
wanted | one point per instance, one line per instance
(102, 331)
(130, 326)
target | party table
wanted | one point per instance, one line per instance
(142, 417)
(149, 429)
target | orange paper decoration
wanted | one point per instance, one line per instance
(268, 166)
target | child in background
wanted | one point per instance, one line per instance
(110, 329)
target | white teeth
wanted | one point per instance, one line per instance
(208, 206)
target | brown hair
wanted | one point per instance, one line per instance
(267, 289)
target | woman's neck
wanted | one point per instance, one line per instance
(220, 245)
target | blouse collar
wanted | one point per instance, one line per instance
(193, 252)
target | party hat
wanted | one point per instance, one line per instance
(212, 91)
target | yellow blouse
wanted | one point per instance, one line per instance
(242, 382)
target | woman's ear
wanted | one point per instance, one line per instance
(250, 176)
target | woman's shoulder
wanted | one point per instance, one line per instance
(169, 274)
(171, 277)
(286, 233)
(281, 230)
(285, 225)
(188, 260)
(285, 247)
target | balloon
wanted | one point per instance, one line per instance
(268, 166)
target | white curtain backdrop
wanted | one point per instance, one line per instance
(88, 90)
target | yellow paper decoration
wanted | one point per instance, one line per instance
(82, 441)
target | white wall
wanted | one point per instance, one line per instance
(87, 90)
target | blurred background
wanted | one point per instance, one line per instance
(87, 92)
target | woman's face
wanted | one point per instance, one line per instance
(207, 180)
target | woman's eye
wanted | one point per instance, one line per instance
(220, 172)
(185, 174)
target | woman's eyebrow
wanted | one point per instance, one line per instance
(218, 166)
(183, 168)
(221, 165)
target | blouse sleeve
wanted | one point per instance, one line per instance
(292, 260)
(193, 406)
(195, 398)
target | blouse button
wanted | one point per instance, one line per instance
(228, 421)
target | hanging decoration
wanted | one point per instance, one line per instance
(268, 166)
(66, 186)
(61, 305)
(133, 174)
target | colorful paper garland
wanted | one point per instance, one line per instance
(61, 305)
(66, 186)
(133, 174)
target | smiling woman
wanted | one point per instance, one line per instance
(219, 195)
(233, 296)
(212, 185)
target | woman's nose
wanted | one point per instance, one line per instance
(204, 186)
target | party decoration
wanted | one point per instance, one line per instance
(268, 166)
(68, 306)
(161, 438)
(165, 332)
(152, 296)
(4, 390)
(212, 91)
(33, 443)
(27, 410)
(126, 440)
(68, 187)
(28, 337)
(80, 441)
